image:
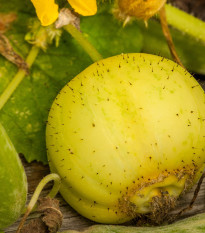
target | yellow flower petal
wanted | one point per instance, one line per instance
(46, 10)
(84, 7)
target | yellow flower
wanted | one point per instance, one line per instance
(47, 10)
(84, 7)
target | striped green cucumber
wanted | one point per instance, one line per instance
(13, 182)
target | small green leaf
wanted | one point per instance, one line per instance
(108, 36)
(13, 183)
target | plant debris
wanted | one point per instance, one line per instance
(6, 20)
(8, 52)
(50, 219)
(66, 17)
(6, 48)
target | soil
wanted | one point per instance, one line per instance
(195, 7)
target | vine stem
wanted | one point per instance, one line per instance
(51, 177)
(185, 22)
(167, 35)
(191, 204)
(18, 77)
(78, 36)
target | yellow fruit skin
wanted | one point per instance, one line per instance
(124, 130)
(139, 8)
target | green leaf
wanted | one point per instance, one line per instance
(24, 115)
(108, 36)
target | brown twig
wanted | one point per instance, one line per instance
(196, 192)
(167, 34)
(23, 220)
(194, 197)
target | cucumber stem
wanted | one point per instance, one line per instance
(185, 22)
(78, 36)
(168, 37)
(51, 177)
(18, 77)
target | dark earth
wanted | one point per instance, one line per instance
(194, 7)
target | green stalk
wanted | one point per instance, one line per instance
(18, 77)
(51, 177)
(78, 36)
(185, 22)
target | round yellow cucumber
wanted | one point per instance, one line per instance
(127, 137)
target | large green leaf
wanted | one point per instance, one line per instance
(24, 115)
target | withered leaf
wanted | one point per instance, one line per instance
(50, 219)
(6, 20)
(8, 52)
